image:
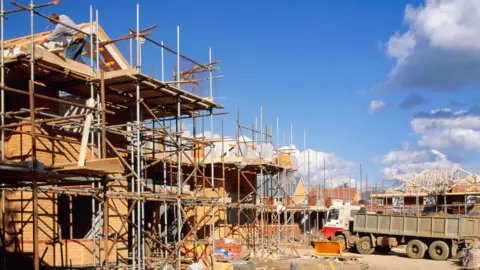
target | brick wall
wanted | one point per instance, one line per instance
(53, 252)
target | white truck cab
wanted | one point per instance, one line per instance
(339, 215)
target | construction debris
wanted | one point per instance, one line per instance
(471, 256)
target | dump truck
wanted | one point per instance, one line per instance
(438, 236)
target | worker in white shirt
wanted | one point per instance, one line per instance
(74, 38)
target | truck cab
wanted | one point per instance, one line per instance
(339, 215)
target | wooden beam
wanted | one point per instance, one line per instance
(67, 64)
(108, 165)
(106, 218)
(112, 53)
(85, 134)
(103, 115)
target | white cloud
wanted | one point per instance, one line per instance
(460, 112)
(441, 48)
(448, 23)
(405, 161)
(445, 129)
(401, 46)
(424, 125)
(375, 106)
(463, 138)
(455, 132)
(322, 165)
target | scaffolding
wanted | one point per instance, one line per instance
(104, 142)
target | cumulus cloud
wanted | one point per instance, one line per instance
(464, 138)
(447, 129)
(440, 50)
(412, 101)
(406, 161)
(375, 106)
(335, 170)
(440, 131)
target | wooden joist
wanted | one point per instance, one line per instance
(86, 133)
(107, 165)
(112, 53)
(50, 58)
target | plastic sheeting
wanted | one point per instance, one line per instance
(266, 151)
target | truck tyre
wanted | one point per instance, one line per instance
(340, 238)
(364, 246)
(416, 249)
(439, 251)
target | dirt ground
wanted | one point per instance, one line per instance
(397, 260)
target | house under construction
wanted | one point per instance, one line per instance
(454, 191)
(98, 169)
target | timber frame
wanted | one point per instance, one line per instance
(106, 132)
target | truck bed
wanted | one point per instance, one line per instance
(458, 227)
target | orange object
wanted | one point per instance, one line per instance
(327, 248)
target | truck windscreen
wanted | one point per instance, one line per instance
(333, 214)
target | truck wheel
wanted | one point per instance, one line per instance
(416, 249)
(439, 251)
(364, 246)
(341, 239)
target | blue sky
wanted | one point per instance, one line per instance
(316, 64)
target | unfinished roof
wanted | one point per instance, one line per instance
(57, 72)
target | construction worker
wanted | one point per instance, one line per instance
(64, 34)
